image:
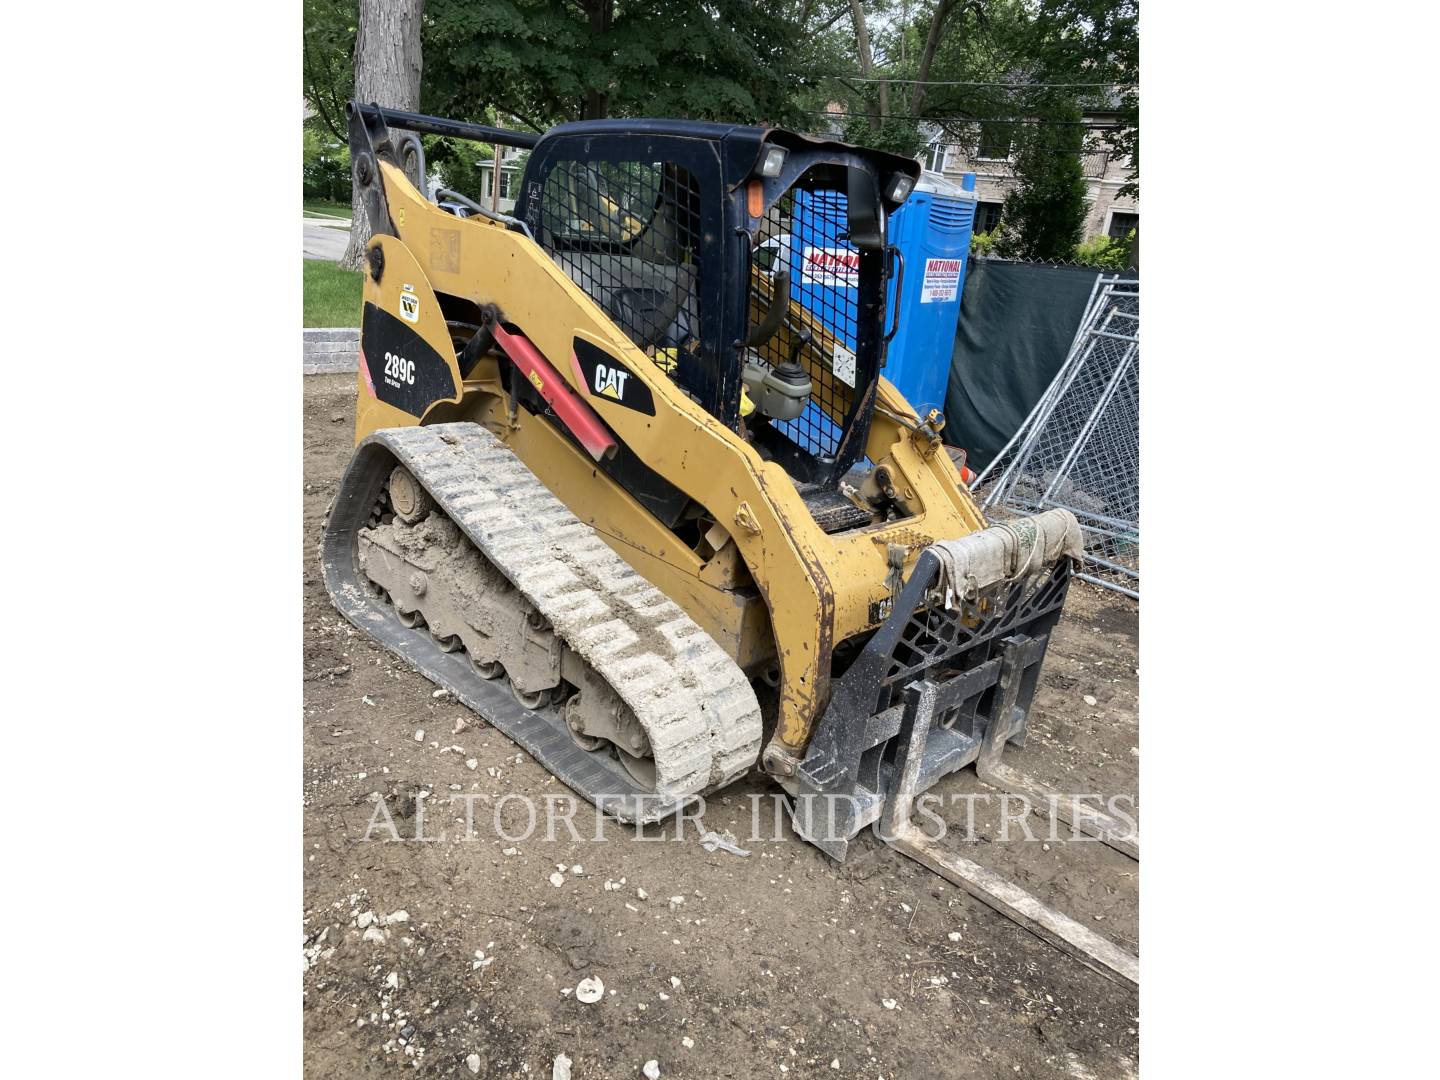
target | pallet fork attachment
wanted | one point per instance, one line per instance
(946, 682)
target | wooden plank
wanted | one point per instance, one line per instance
(1098, 953)
(1043, 800)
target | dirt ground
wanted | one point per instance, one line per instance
(421, 955)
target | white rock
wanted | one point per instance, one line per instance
(460, 723)
(688, 1043)
(365, 919)
(642, 894)
(510, 850)
(589, 990)
(420, 735)
(835, 1063)
(651, 1069)
(1090, 699)
(373, 934)
(392, 980)
(561, 1069)
(473, 763)
(577, 869)
(557, 879)
(674, 983)
(472, 1061)
(397, 916)
(889, 1003)
(954, 935)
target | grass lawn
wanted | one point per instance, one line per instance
(332, 295)
(323, 208)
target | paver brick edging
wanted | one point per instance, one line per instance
(330, 349)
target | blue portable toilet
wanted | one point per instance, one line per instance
(932, 231)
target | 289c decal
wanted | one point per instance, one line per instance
(399, 370)
(399, 366)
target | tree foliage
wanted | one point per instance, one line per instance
(328, 60)
(542, 62)
(1095, 40)
(957, 62)
(548, 61)
(1108, 252)
(1044, 216)
(535, 63)
(327, 165)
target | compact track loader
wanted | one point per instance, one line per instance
(648, 504)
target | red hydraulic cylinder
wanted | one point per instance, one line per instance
(581, 420)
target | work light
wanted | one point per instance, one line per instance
(898, 190)
(772, 160)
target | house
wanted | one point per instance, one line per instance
(986, 150)
(512, 165)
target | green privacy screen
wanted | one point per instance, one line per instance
(1016, 324)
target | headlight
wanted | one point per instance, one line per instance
(899, 188)
(772, 160)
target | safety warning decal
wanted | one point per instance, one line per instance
(942, 280)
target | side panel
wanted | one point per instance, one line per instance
(407, 363)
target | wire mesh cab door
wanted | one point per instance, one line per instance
(825, 229)
(636, 220)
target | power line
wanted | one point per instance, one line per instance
(952, 82)
(1087, 124)
(974, 161)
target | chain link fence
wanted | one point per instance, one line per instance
(1079, 448)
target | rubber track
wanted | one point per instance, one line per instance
(694, 702)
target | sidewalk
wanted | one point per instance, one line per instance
(326, 238)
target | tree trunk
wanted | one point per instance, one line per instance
(387, 72)
(597, 102)
(927, 57)
(867, 65)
